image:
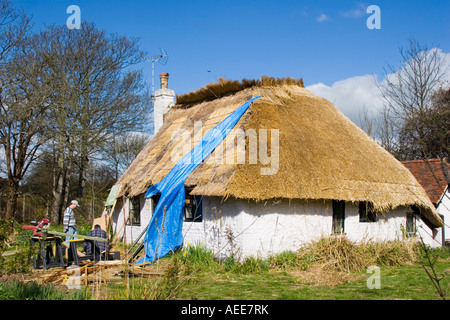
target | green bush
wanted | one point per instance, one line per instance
(251, 265)
(284, 260)
(229, 263)
(196, 255)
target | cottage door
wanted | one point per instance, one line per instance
(338, 216)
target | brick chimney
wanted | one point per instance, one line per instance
(164, 79)
(164, 100)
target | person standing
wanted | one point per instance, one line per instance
(69, 221)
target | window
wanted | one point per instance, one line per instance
(366, 212)
(410, 223)
(193, 210)
(338, 216)
(134, 217)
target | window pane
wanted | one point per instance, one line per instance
(410, 223)
(366, 212)
(338, 216)
(193, 209)
(135, 211)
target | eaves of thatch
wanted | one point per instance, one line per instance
(322, 154)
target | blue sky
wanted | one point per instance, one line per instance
(320, 41)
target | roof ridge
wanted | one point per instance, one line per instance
(225, 87)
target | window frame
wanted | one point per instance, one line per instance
(338, 221)
(193, 207)
(134, 211)
(411, 223)
(366, 212)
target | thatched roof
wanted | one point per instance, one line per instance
(322, 154)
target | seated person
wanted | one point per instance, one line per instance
(100, 246)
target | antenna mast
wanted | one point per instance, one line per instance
(162, 58)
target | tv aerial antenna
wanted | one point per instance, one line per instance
(162, 59)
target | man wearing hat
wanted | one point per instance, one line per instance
(69, 219)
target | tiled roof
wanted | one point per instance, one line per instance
(429, 175)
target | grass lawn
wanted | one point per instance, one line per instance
(405, 282)
(303, 275)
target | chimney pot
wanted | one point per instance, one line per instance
(164, 76)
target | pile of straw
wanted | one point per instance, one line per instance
(339, 254)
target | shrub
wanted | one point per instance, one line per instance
(251, 265)
(284, 260)
(196, 255)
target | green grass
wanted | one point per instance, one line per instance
(293, 276)
(404, 282)
(320, 272)
(16, 290)
(282, 277)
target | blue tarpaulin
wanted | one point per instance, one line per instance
(164, 232)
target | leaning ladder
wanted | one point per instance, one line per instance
(137, 246)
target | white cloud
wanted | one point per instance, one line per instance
(322, 17)
(359, 12)
(351, 95)
(446, 57)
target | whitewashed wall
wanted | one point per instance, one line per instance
(246, 228)
(130, 233)
(260, 229)
(444, 209)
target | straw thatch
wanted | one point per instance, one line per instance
(322, 154)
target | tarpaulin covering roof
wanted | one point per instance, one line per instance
(164, 232)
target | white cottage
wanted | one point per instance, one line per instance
(293, 169)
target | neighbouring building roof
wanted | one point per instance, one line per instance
(322, 154)
(430, 175)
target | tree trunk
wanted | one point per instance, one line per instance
(58, 189)
(11, 204)
(61, 182)
(65, 198)
(82, 175)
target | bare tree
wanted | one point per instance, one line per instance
(438, 122)
(13, 27)
(24, 112)
(22, 101)
(408, 96)
(366, 121)
(97, 95)
(123, 150)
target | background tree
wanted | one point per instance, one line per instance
(412, 120)
(96, 95)
(123, 150)
(14, 25)
(24, 114)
